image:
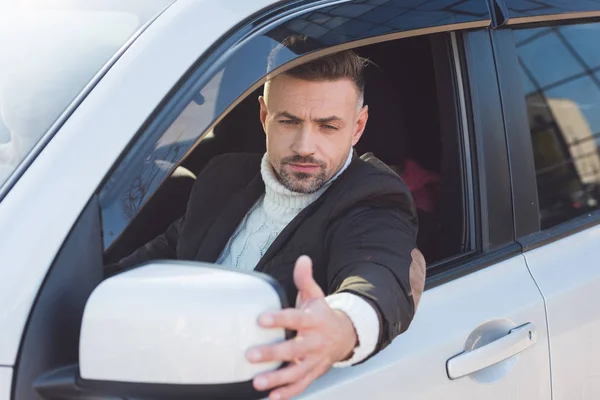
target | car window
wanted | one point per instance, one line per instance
(49, 51)
(234, 70)
(408, 133)
(560, 69)
(213, 110)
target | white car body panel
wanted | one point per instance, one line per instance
(568, 274)
(414, 365)
(5, 383)
(88, 144)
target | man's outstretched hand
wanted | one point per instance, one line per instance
(324, 337)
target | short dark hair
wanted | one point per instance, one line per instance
(342, 65)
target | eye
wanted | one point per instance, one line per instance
(288, 122)
(329, 127)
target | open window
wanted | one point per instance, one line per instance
(414, 127)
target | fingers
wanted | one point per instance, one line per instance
(290, 318)
(291, 374)
(310, 348)
(290, 350)
(299, 386)
(303, 278)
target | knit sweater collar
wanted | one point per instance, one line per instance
(280, 200)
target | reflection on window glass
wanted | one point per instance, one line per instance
(534, 56)
(561, 77)
(584, 94)
(166, 153)
(530, 34)
(579, 36)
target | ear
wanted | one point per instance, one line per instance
(361, 123)
(263, 112)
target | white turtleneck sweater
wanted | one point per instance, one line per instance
(261, 226)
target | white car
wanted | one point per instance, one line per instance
(489, 109)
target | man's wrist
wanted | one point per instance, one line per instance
(352, 342)
(365, 324)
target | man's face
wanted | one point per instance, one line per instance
(310, 128)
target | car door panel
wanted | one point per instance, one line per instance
(495, 300)
(553, 152)
(568, 275)
(5, 382)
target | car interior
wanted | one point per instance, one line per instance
(413, 127)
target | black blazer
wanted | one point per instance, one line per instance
(359, 234)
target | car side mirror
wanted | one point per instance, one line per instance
(173, 329)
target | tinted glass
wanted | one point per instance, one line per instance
(561, 75)
(49, 51)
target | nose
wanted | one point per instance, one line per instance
(304, 142)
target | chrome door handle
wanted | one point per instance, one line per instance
(468, 362)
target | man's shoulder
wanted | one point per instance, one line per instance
(369, 182)
(368, 176)
(371, 163)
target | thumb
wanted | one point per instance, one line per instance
(308, 289)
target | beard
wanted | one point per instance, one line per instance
(302, 182)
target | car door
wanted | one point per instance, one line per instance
(474, 300)
(480, 297)
(555, 126)
(5, 382)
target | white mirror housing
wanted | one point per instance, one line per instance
(177, 323)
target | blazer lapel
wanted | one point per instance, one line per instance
(223, 227)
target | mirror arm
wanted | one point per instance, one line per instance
(65, 384)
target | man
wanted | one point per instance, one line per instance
(337, 231)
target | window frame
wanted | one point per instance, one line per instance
(491, 174)
(541, 13)
(479, 94)
(523, 174)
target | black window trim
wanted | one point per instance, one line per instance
(469, 263)
(518, 137)
(484, 131)
(469, 203)
(561, 18)
(527, 225)
(546, 11)
(492, 172)
(560, 231)
(491, 176)
(492, 241)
